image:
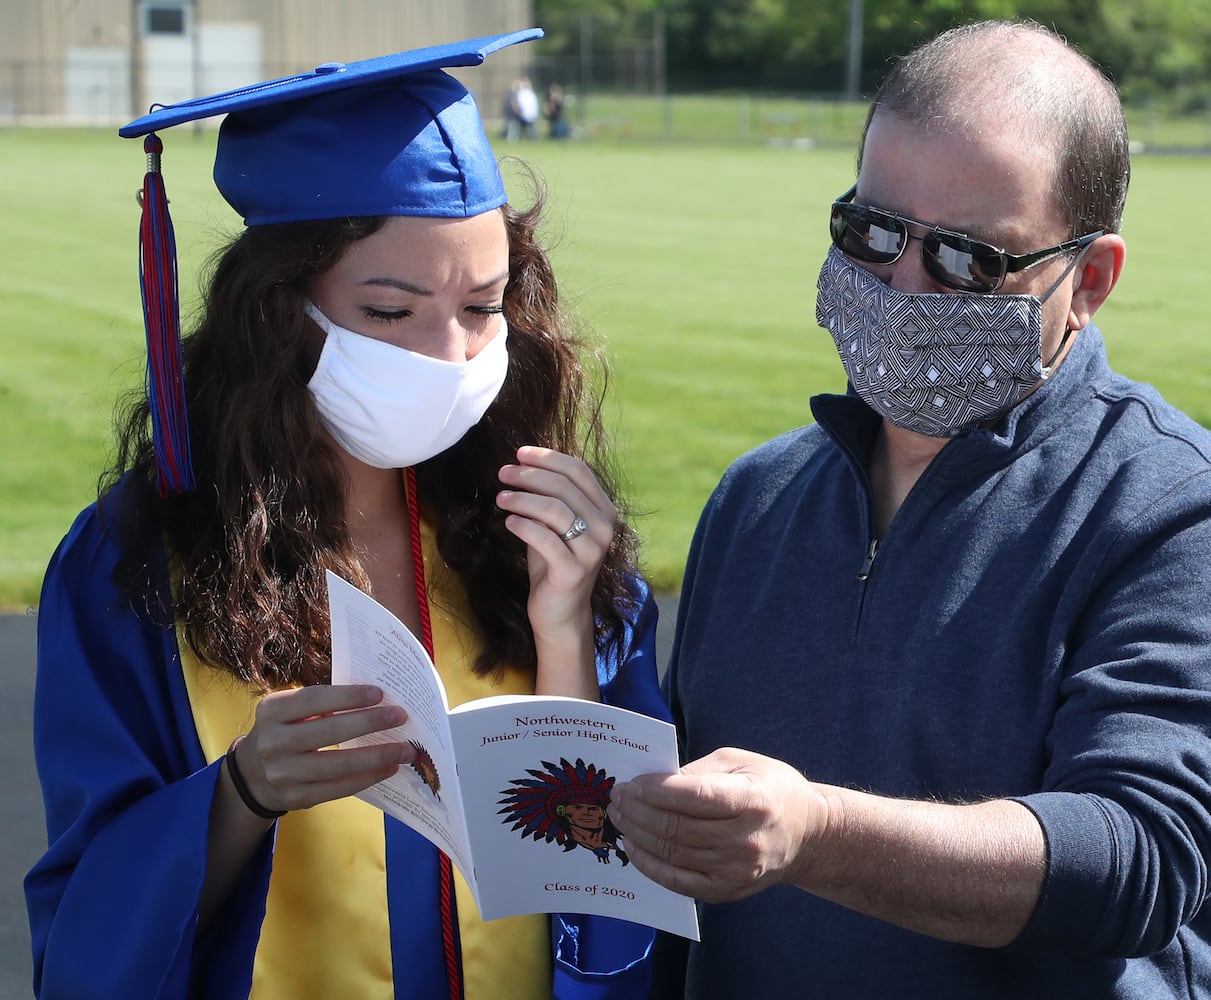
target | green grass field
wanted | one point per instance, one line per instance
(826, 122)
(694, 263)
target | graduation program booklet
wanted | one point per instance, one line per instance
(512, 788)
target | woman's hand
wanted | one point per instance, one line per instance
(285, 766)
(555, 505)
(283, 760)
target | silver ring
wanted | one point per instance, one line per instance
(579, 527)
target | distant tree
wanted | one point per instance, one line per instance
(1154, 45)
(600, 30)
(799, 47)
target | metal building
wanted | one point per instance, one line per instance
(106, 61)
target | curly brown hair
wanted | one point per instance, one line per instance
(251, 544)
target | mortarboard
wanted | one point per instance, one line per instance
(393, 135)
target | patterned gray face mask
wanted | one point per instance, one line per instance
(933, 363)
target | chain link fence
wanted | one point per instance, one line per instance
(606, 76)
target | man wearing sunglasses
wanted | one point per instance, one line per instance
(943, 658)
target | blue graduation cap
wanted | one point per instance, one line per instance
(393, 135)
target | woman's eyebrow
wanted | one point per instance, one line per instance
(403, 286)
(492, 282)
(407, 286)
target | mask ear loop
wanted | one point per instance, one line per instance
(1048, 370)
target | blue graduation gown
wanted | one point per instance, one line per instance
(113, 902)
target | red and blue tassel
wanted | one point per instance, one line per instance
(162, 319)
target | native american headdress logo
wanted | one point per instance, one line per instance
(548, 806)
(427, 771)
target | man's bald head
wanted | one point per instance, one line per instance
(1023, 78)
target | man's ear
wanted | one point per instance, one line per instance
(1096, 276)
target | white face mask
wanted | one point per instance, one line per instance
(391, 407)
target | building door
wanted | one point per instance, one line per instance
(184, 56)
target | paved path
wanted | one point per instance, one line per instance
(24, 837)
(24, 832)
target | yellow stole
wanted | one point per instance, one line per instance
(326, 921)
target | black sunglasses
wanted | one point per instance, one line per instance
(952, 259)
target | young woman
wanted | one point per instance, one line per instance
(381, 384)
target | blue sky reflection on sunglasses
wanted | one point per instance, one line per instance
(950, 264)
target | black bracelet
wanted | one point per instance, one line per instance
(237, 780)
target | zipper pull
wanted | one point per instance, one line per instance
(871, 552)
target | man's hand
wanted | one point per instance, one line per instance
(724, 827)
(734, 823)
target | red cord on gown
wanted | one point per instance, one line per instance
(445, 871)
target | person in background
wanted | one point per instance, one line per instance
(526, 102)
(942, 664)
(510, 115)
(380, 383)
(553, 111)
